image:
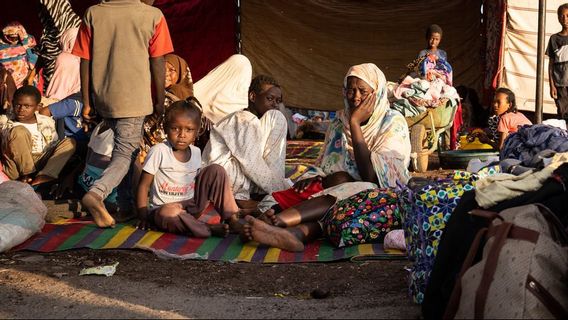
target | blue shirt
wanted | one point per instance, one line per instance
(69, 109)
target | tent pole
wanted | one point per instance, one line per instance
(239, 39)
(540, 60)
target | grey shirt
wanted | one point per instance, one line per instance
(557, 51)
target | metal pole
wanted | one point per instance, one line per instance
(540, 60)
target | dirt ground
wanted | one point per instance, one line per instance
(49, 286)
(37, 285)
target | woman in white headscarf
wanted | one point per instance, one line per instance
(368, 141)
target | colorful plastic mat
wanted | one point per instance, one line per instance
(74, 234)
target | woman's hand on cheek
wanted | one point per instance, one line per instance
(365, 110)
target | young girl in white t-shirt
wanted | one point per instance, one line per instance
(179, 188)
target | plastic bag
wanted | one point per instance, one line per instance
(22, 214)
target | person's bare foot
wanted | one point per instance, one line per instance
(97, 209)
(235, 226)
(270, 217)
(219, 230)
(264, 233)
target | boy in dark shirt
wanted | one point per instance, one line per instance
(557, 51)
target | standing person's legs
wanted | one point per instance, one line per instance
(19, 161)
(127, 136)
(562, 102)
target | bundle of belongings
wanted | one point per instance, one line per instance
(494, 243)
(426, 84)
(22, 213)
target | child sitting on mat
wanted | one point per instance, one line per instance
(180, 189)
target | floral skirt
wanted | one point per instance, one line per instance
(363, 218)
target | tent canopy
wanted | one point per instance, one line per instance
(308, 45)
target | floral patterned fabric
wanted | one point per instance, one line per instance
(426, 211)
(362, 218)
(17, 57)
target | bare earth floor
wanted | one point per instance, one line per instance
(36, 285)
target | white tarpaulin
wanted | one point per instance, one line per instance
(520, 51)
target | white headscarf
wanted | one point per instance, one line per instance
(375, 78)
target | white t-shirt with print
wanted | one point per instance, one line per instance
(173, 180)
(38, 144)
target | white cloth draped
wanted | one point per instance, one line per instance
(224, 90)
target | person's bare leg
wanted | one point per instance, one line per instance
(307, 211)
(212, 186)
(263, 233)
(196, 228)
(173, 218)
(307, 232)
(248, 207)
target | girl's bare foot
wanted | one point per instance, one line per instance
(94, 204)
(219, 230)
(264, 233)
(269, 217)
(234, 225)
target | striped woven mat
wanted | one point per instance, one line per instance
(74, 234)
(302, 151)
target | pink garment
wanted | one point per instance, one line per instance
(66, 79)
(510, 122)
